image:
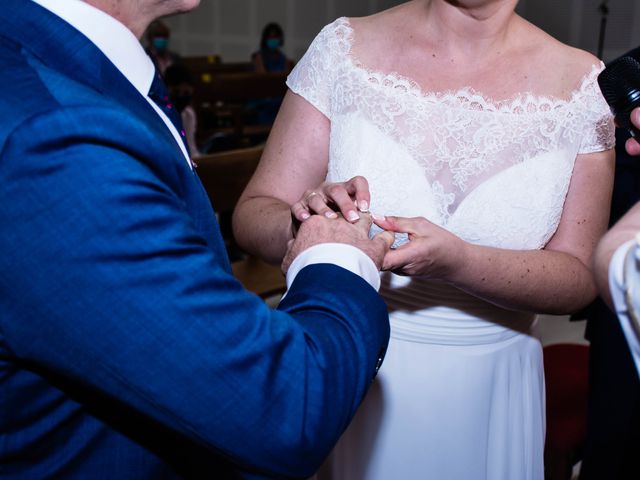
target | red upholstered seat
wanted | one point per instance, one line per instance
(566, 381)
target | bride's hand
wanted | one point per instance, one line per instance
(328, 198)
(431, 251)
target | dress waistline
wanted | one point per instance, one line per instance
(427, 311)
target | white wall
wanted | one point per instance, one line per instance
(577, 22)
(232, 28)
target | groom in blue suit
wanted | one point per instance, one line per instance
(127, 348)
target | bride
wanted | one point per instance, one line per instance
(486, 146)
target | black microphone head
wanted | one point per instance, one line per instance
(620, 86)
(620, 77)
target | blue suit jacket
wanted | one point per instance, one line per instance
(127, 349)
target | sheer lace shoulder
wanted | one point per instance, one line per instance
(599, 133)
(314, 75)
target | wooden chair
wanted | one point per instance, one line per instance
(224, 176)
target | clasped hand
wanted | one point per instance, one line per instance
(317, 229)
(431, 251)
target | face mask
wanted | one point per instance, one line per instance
(160, 43)
(273, 43)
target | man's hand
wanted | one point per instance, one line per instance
(319, 229)
(632, 145)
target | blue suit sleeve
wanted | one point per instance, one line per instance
(106, 279)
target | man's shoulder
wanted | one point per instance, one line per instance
(23, 93)
(30, 89)
(34, 95)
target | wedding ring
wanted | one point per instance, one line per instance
(306, 199)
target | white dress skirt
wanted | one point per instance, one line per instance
(459, 396)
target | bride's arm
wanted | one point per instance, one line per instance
(294, 160)
(290, 178)
(557, 279)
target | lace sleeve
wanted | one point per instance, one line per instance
(599, 130)
(312, 77)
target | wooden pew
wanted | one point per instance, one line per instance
(224, 176)
(201, 63)
(239, 88)
(213, 64)
(223, 101)
(259, 277)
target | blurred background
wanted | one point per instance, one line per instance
(232, 28)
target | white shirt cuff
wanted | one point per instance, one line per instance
(617, 286)
(340, 254)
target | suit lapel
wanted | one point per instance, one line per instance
(44, 35)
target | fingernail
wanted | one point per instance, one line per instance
(377, 217)
(364, 206)
(330, 214)
(353, 216)
(305, 215)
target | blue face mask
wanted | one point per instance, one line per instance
(273, 43)
(160, 43)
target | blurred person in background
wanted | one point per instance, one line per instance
(180, 85)
(158, 42)
(613, 418)
(270, 58)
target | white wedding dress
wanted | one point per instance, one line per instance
(460, 395)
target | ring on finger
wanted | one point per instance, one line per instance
(306, 199)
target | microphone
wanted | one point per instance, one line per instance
(620, 86)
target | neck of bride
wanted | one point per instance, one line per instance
(470, 28)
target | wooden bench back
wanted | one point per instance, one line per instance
(226, 174)
(238, 88)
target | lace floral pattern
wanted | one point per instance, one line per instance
(459, 140)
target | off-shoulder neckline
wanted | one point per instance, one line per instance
(524, 102)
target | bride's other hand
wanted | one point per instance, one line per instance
(431, 251)
(328, 198)
(632, 145)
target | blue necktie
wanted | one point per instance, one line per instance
(160, 96)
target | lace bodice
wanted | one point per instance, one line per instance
(493, 173)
